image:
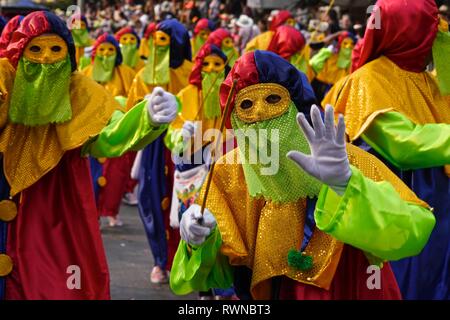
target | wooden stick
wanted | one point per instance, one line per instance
(222, 125)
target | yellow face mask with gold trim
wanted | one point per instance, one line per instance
(227, 43)
(161, 39)
(106, 49)
(213, 63)
(128, 38)
(261, 102)
(47, 48)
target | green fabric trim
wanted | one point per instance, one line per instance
(131, 131)
(159, 64)
(408, 145)
(211, 103)
(441, 52)
(268, 172)
(41, 93)
(231, 54)
(81, 37)
(372, 217)
(318, 61)
(202, 269)
(344, 58)
(121, 100)
(198, 43)
(130, 54)
(103, 68)
(298, 61)
(174, 140)
(84, 62)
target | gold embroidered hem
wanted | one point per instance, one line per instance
(259, 234)
(30, 152)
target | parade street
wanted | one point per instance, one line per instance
(130, 261)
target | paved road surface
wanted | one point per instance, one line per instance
(130, 261)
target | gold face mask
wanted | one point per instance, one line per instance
(106, 49)
(75, 24)
(161, 38)
(128, 38)
(212, 63)
(47, 48)
(204, 34)
(227, 42)
(261, 102)
(290, 22)
(347, 43)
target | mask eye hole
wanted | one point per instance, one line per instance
(205, 64)
(35, 49)
(246, 104)
(56, 48)
(217, 64)
(273, 98)
(163, 38)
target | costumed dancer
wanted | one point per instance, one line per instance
(397, 110)
(262, 41)
(168, 66)
(129, 46)
(222, 39)
(51, 119)
(289, 43)
(202, 29)
(111, 176)
(331, 65)
(107, 67)
(79, 27)
(200, 112)
(295, 232)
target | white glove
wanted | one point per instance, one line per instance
(161, 106)
(188, 130)
(191, 230)
(328, 161)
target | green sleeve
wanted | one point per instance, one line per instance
(174, 140)
(407, 145)
(201, 269)
(129, 131)
(372, 217)
(318, 61)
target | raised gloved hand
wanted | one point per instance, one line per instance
(161, 106)
(191, 230)
(188, 130)
(328, 161)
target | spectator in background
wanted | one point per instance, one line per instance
(346, 23)
(247, 30)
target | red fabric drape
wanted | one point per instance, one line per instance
(406, 34)
(57, 227)
(286, 42)
(279, 19)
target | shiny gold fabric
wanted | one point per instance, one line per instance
(31, 152)
(121, 82)
(331, 73)
(178, 80)
(259, 234)
(381, 86)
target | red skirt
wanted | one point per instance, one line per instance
(55, 241)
